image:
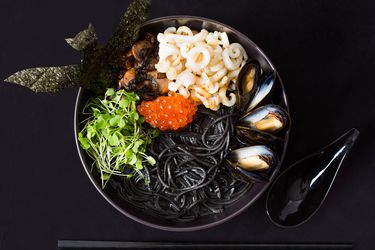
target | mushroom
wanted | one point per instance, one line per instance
(148, 88)
(128, 60)
(141, 49)
(129, 76)
(163, 85)
(141, 75)
(161, 79)
(150, 66)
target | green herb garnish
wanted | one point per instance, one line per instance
(100, 65)
(113, 135)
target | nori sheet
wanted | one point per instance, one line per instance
(128, 30)
(84, 40)
(100, 66)
(47, 79)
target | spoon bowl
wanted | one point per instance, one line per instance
(300, 190)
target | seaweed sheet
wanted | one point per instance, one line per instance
(47, 79)
(128, 29)
(99, 68)
(84, 40)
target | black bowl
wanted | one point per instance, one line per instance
(155, 26)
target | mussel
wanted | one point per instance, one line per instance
(247, 83)
(263, 125)
(248, 136)
(253, 163)
(253, 86)
(268, 118)
(263, 89)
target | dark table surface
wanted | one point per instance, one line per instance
(324, 51)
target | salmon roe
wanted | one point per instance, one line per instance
(168, 112)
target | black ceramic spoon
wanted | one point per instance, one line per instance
(299, 191)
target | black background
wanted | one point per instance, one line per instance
(324, 51)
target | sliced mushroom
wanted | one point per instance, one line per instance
(129, 76)
(161, 79)
(141, 49)
(148, 88)
(141, 76)
(157, 75)
(127, 60)
(151, 38)
(150, 66)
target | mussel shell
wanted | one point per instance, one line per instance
(254, 118)
(233, 162)
(250, 176)
(263, 89)
(246, 90)
(250, 136)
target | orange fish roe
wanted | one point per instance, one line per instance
(168, 112)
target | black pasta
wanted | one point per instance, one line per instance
(189, 179)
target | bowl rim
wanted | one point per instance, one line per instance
(214, 223)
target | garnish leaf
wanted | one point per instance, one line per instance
(151, 160)
(47, 79)
(113, 140)
(116, 149)
(110, 92)
(85, 39)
